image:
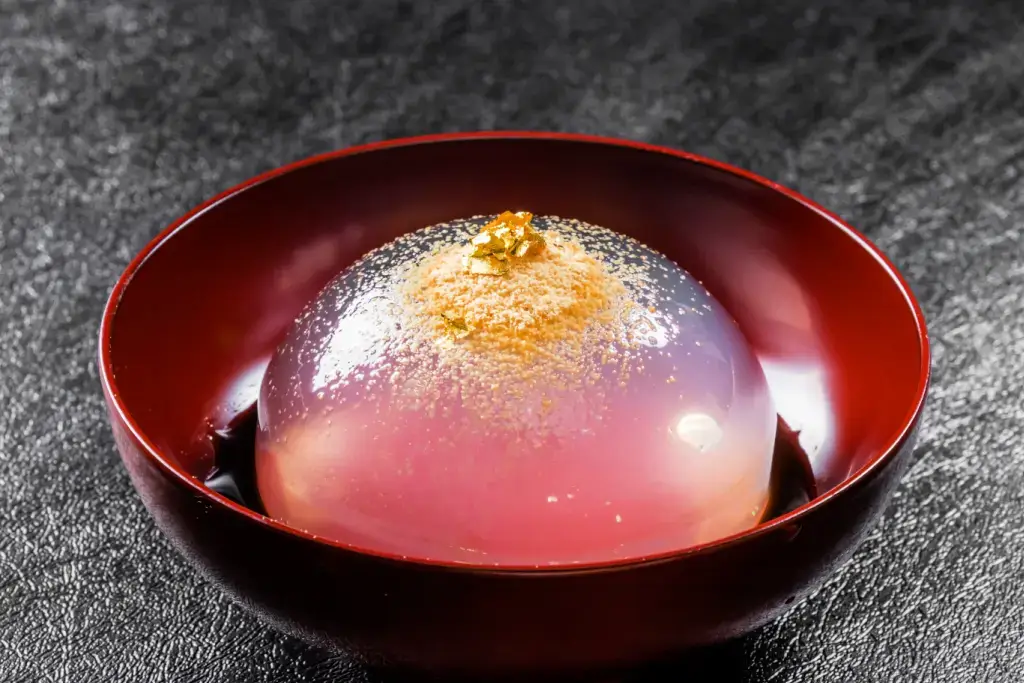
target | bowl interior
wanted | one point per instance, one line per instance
(196, 318)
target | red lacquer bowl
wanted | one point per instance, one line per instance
(194, 318)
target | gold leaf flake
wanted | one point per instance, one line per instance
(509, 236)
(485, 265)
(456, 326)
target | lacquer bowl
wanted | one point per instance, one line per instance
(192, 321)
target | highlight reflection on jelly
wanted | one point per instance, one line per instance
(800, 393)
(514, 390)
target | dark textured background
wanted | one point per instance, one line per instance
(115, 117)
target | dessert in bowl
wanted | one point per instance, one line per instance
(524, 403)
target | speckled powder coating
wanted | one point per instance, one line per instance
(653, 433)
(116, 117)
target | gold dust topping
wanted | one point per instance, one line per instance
(533, 349)
(549, 299)
(506, 239)
(521, 326)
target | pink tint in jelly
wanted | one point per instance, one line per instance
(363, 439)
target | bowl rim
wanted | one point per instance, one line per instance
(882, 456)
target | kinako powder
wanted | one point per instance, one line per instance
(520, 313)
(513, 289)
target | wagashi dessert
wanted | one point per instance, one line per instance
(515, 390)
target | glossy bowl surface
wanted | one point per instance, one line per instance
(192, 322)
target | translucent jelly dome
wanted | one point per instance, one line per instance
(637, 424)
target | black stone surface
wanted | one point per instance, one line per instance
(115, 117)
